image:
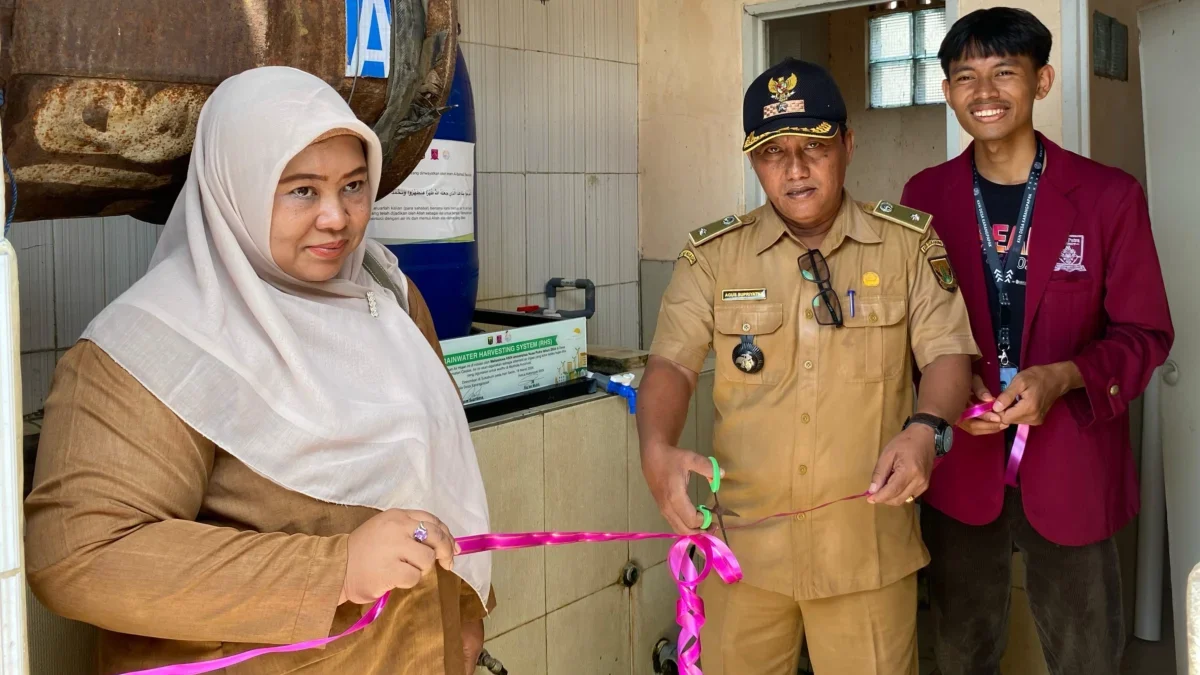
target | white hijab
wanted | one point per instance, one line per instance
(297, 380)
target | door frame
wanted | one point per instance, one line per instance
(1074, 72)
(14, 636)
(1075, 76)
(1182, 574)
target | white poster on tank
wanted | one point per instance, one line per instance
(436, 203)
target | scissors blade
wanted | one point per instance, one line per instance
(719, 511)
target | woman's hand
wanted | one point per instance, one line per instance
(384, 554)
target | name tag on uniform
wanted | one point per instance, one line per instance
(744, 294)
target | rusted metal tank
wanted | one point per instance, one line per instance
(101, 97)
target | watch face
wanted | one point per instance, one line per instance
(946, 439)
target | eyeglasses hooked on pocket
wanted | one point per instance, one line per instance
(827, 308)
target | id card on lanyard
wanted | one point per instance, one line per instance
(1002, 272)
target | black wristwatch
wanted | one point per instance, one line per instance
(943, 433)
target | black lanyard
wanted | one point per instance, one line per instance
(1002, 272)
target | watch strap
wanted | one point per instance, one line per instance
(932, 421)
(939, 426)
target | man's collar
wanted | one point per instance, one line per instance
(851, 221)
(1059, 171)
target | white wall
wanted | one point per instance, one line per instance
(555, 88)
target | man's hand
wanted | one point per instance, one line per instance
(987, 423)
(472, 636)
(904, 467)
(668, 472)
(1038, 388)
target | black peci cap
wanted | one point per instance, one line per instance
(792, 98)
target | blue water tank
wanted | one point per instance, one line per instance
(447, 274)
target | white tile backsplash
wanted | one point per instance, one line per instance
(603, 223)
(627, 31)
(555, 229)
(128, 247)
(627, 122)
(627, 249)
(34, 244)
(37, 370)
(512, 223)
(538, 97)
(535, 26)
(78, 275)
(491, 236)
(69, 270)
(499, 23)
(558, 111)
(615, 323)
(509, 146)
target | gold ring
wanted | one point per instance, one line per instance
(909, 500)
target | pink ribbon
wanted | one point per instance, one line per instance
(1018, 448)
(689, 611)
(217, 664)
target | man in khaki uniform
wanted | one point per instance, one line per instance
(817, 307)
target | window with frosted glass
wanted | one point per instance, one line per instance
(903, 68)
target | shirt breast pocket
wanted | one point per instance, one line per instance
(872, 345)
(759, 320)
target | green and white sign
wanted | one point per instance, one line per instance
(494, 365)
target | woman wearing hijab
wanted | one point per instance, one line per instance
(259, 437)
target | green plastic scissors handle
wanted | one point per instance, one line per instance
(715, 483)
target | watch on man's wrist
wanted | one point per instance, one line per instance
(943, 432)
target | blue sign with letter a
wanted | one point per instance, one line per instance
(368, 38)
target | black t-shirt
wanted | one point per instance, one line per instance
(1003, 203)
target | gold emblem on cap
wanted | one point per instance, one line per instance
(781, 88)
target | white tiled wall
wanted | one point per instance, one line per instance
(69, 270)
(555, 87)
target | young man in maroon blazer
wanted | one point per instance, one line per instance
(1057, 264)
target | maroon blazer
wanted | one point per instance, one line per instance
(1095, 296)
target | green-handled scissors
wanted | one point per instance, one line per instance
(718, 510)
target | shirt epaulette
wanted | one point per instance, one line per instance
(917, 221)
(717, 228)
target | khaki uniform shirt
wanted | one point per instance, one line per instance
(809, 427)
(180, 552)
